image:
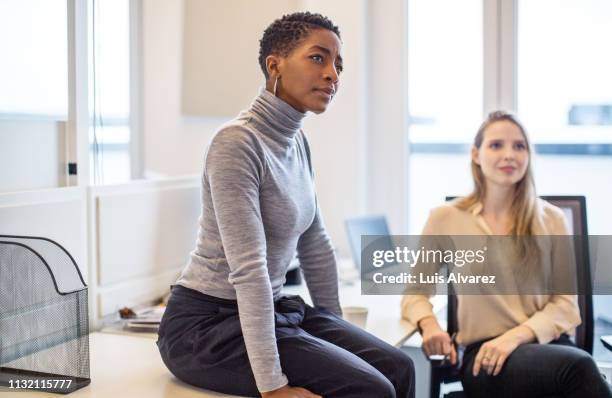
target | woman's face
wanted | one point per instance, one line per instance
(503, 156)
(309, 74)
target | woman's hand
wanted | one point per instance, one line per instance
(435, 340)
(494, 353)
(289, 392)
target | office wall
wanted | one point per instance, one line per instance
(220, 52)
(174, 144)
(388, 166)
(174, 140)
(56, 214)
(141, 237)
(31, 154)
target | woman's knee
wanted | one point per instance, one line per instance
(399, 374)
(581, 363)
(376, 385)
(405, 370)
(398, 368)
(407, 364)
(585, 365)
(580, 371)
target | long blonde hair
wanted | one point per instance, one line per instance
(524, 201)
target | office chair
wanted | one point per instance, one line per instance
(576, 206)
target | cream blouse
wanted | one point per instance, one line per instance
(481, 317)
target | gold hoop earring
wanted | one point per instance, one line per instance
(276, 86)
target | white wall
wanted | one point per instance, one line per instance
(31, 154)
(220, 49)
(388, 167)
(56, 214)
(141, 237)
(173, 144)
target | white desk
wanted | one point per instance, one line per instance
(125, 366)
(128, 364)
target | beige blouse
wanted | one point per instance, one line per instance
(481, 317)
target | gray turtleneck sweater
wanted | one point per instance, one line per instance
(259, 209)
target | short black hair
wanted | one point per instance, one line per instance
(285, 33)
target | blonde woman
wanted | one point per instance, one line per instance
(516, 346)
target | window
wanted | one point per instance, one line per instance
(34, 67)
(109, 66)
(564, 79)
(564, 97)
(445, 98)
(444, 70)
(33, 94)
(550, 58)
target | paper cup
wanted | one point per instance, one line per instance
(356, 315)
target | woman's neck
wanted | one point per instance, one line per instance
(496, 210)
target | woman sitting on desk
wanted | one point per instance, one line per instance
(502, 358)
(227, 328)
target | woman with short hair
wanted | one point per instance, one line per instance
(227, 326)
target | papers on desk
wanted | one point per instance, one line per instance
(146, 319)
(149, 326)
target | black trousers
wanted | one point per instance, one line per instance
(554, 370)
(201, 343)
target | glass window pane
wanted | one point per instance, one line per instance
(109, 88)
(565, 96)
(34, 66)
(445, 98)
(111, 53)
(564, 64)
(444, 69)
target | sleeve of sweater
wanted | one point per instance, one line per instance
(234, 171)
(318, 263)
(561, 313)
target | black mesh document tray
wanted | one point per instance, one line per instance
(44, 322)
